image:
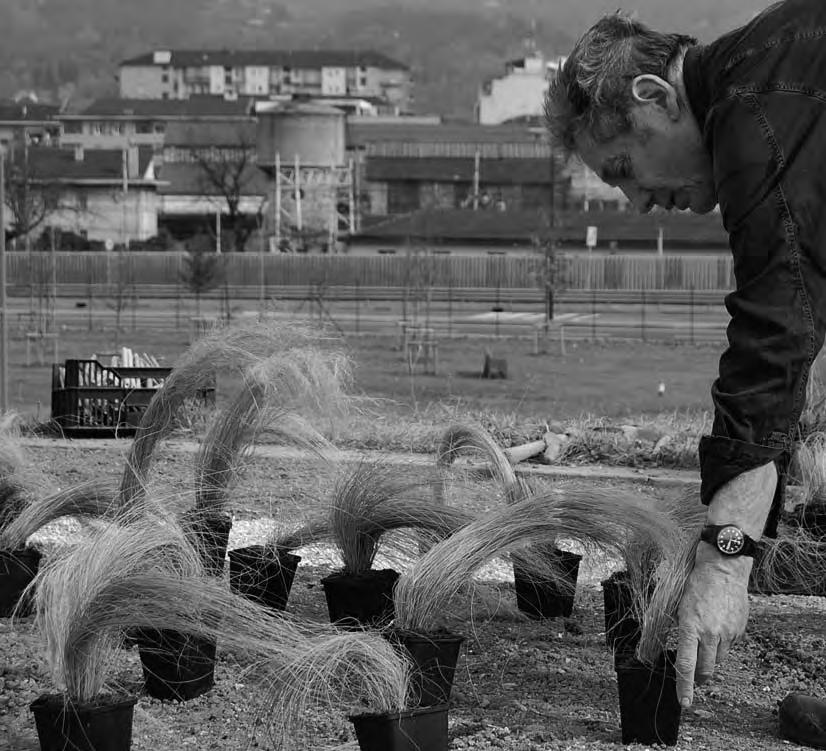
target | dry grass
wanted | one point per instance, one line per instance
(90, 500)
(11, 462)
(83, 598)
(370, 500)
(793, 564)
(658, 568)
(337, 671)
(810, 464)
(140, 572)
(597, 518)
(284, 393)
(468, 437)
(236, 347)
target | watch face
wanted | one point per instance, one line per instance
(730, 540)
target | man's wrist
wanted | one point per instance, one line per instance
(737, 565)
(745, 501)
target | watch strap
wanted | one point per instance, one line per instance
(709, 534)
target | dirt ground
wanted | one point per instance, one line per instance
(521, 685)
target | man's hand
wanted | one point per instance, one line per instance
(713, 612)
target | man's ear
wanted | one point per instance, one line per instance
(650, 89)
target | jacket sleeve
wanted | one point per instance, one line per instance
(767, 150)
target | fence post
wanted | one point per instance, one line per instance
(450, 306)
(89, 301)
(642, 315)
(593, 314)
(358, 300)
(691, 313)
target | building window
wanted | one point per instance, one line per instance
(73, 127)
(143, 127)
(165, 95)
(164, 77)
(83, 202)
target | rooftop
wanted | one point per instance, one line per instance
(304, 59)
(67, 165)
(519, 227)
(364, 132)
(26, 111)
(502, 171)
(201, 106)
(188, 179)
(203, 133)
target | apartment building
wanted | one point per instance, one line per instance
(519, 94)
(182, 74)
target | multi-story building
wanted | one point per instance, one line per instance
(181, 74)
(116, 123)
(519, 94)
(101, 195)
(29, 122)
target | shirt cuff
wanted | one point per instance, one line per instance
(722, 459)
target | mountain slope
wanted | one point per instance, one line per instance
(69, 49)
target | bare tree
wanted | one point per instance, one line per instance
(32, 196)
(550, 265)
(203, 268)
(231, 172)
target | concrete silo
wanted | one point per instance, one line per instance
(302, 147)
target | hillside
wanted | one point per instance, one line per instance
(68, 50)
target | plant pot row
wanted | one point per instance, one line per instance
(107, 726)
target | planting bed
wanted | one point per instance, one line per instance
(520, 685)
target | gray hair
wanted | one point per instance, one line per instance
(590, 94)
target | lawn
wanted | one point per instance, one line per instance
(613, 379)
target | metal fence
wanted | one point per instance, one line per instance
(700, 273)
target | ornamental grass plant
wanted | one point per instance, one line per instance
(142, 572)
(88, 500)
(236, 347)
(794, 563)
(370, 500)
(657, 570)
(285, 393)
(596, 518)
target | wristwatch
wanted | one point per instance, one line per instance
(729, 539)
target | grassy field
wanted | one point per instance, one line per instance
(614, 380)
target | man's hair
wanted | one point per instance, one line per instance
(591, 93)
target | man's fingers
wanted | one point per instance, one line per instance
(706, 659)
(722, 651)
(686, 662)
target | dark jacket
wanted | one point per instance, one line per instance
(759, 95)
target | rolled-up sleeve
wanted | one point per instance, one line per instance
(769, 150)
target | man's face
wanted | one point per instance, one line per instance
(660, 162)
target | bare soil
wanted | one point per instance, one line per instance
(521, 685)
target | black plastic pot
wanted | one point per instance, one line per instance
(360, 600)
(649, 709)
(435, 657)
(548, 598)
(622, 630)
(17, 569)
(423, 729)
(175, 665)
(209, 531)
(100, 726)
(263, 575)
